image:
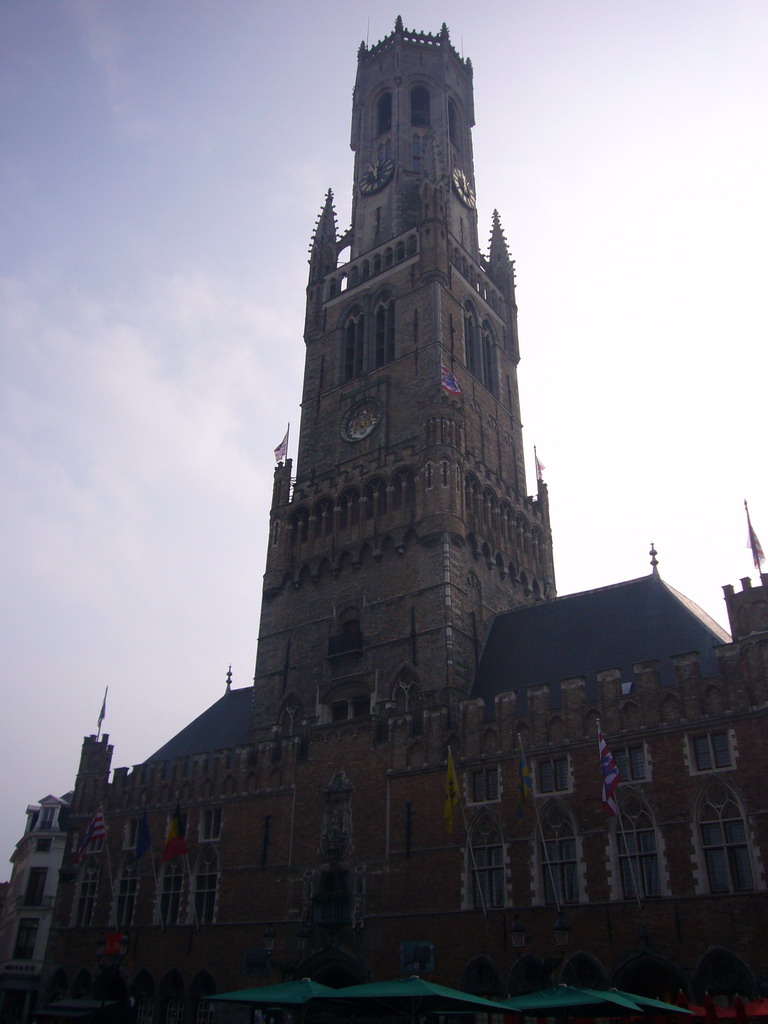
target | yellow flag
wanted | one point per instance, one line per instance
(451, 793)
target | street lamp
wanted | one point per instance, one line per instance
(551, 965)
(519, 938)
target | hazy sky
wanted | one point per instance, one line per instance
(162, 163)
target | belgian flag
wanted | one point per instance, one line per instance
(175, 843)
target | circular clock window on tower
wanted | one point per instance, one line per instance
(361, 420)
(377, 176)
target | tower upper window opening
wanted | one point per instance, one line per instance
(417, 154)
(384, 113)
(420, 101)
(453, 125)
(354, 335)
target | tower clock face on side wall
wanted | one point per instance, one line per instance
(463, 188)
(377, 176)
(361, 420)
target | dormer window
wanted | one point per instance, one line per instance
(47, 818)
(384, 113)
(420, 116)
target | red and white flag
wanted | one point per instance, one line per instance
(95, 831)
(448, 382)
(282, 449)
(540, 467)
(611, 777)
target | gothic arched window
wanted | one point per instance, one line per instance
(384, 113)
(489, 371)
(403, 489)
(486, 863)
(86, 898)
(385, 330)
(206, 883)
(354, 339)
(170, 892)
(724, 842)
(420, 115)
(375, 499)
(323, 517)
(349, 511)
(127, 886)
(558, 859)
(636, 845)
(300, 526)
(471, 354)
(453, 124)
(417, 154)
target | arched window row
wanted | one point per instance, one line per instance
(378, 497)
(477, 281)
(497, 520)
(373, 263)
(480, 349)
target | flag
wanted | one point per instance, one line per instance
(448, 382)
(451, 793)
(282, 449)
(143, 837)
(524, 784)
(758, 555)
(96, 830)
(103, 712)
(540, 467)
(611, 776)
(175, 843)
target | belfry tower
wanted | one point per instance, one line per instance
(407, 526)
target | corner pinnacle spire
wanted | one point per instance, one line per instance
(322, 253)
(499, 250)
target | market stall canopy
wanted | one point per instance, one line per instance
(581, 1002)
(288, 993)
(412, 997)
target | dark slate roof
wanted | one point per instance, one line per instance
(224, 725)
(583, 634)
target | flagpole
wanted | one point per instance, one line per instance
(758, 556)
(102, 713)
(622, 831)
(547, 861)
(469, 844)
(111, 880)
(154, 875)
(192, 893)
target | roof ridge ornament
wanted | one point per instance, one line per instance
(654, 561)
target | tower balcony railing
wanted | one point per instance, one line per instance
(375, 262)
(333, 909)
(345, 643)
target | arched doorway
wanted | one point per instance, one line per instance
(482, 977)
(650, 975)
(334, 966)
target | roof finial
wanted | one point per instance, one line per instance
(229, 679)
(654, 561)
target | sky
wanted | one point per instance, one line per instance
(162, 164)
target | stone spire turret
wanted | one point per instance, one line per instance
(322, 253)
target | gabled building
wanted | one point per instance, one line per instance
(410, 620)
(27, 911)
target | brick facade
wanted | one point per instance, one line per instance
(404, 535)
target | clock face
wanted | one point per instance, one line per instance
(463, 188)
(361, 420)
(377, 176)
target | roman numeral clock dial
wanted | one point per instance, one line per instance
(377, 176)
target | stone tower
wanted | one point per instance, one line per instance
(407, 526)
